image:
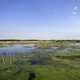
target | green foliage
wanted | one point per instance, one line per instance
(54, 43)
(42, 73)
(44, 44)
(1, 46)
(57, 65)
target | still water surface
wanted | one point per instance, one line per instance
(28, 49)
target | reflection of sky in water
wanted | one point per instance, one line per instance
(28, 49)
(16, 49)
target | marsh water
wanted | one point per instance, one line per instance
(28, 49)
(16, 49)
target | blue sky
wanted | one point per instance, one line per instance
(39, 19)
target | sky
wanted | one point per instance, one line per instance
(39, 19)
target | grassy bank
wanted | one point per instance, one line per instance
(42, 72)
(47, 68)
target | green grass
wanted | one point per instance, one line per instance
(42, 72)
(60, 65)
(1, 46)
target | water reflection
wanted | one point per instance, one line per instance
(16, 49)
(28, 49)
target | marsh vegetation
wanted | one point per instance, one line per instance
(51, 60)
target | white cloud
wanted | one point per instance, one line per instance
(75, 8)
(74, 13)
